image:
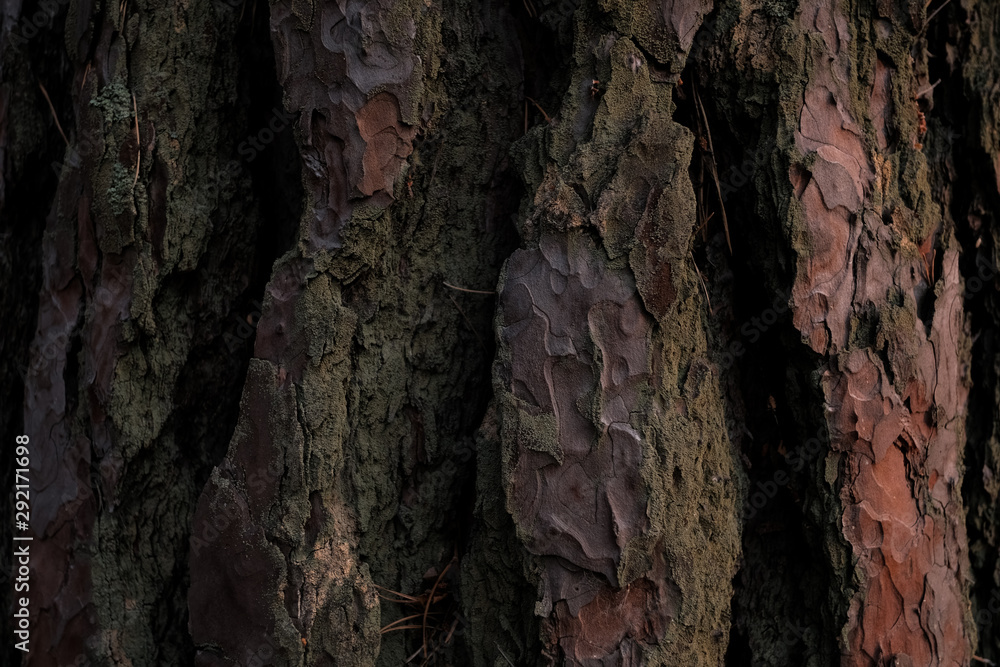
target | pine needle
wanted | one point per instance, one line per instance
(539, 107)
(395, 625)
(703, 285)
(430, 598)
(138, 150)
(714, 168)
(403, 598)
(466, 289)
(469, 322)
(509, 661)
(54, 116)
(935, 12)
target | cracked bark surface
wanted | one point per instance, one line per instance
(877, 294)
(468, 359)
(897, 406)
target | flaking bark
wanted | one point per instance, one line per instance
(584, 333)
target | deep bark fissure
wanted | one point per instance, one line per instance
(544, 52)
(960, 141)
(31, 151)
(208, 385)
(771, 404)
(791, 613)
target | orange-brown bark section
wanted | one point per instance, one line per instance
(896, 404)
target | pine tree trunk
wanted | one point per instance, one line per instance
(552, 332)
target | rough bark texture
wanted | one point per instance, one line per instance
(885, 315)
(596, 332)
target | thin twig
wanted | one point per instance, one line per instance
(928, 89)
(700, 202)
(984, 661)
(715, 170)
(415, 654)
(434, 168)
(454, 625)
(465, 289)
(54, 116)
(426, 659)
(85, 73)
(703, 224)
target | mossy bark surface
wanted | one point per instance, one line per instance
(583, 332)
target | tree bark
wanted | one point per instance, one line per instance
(579, 332)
